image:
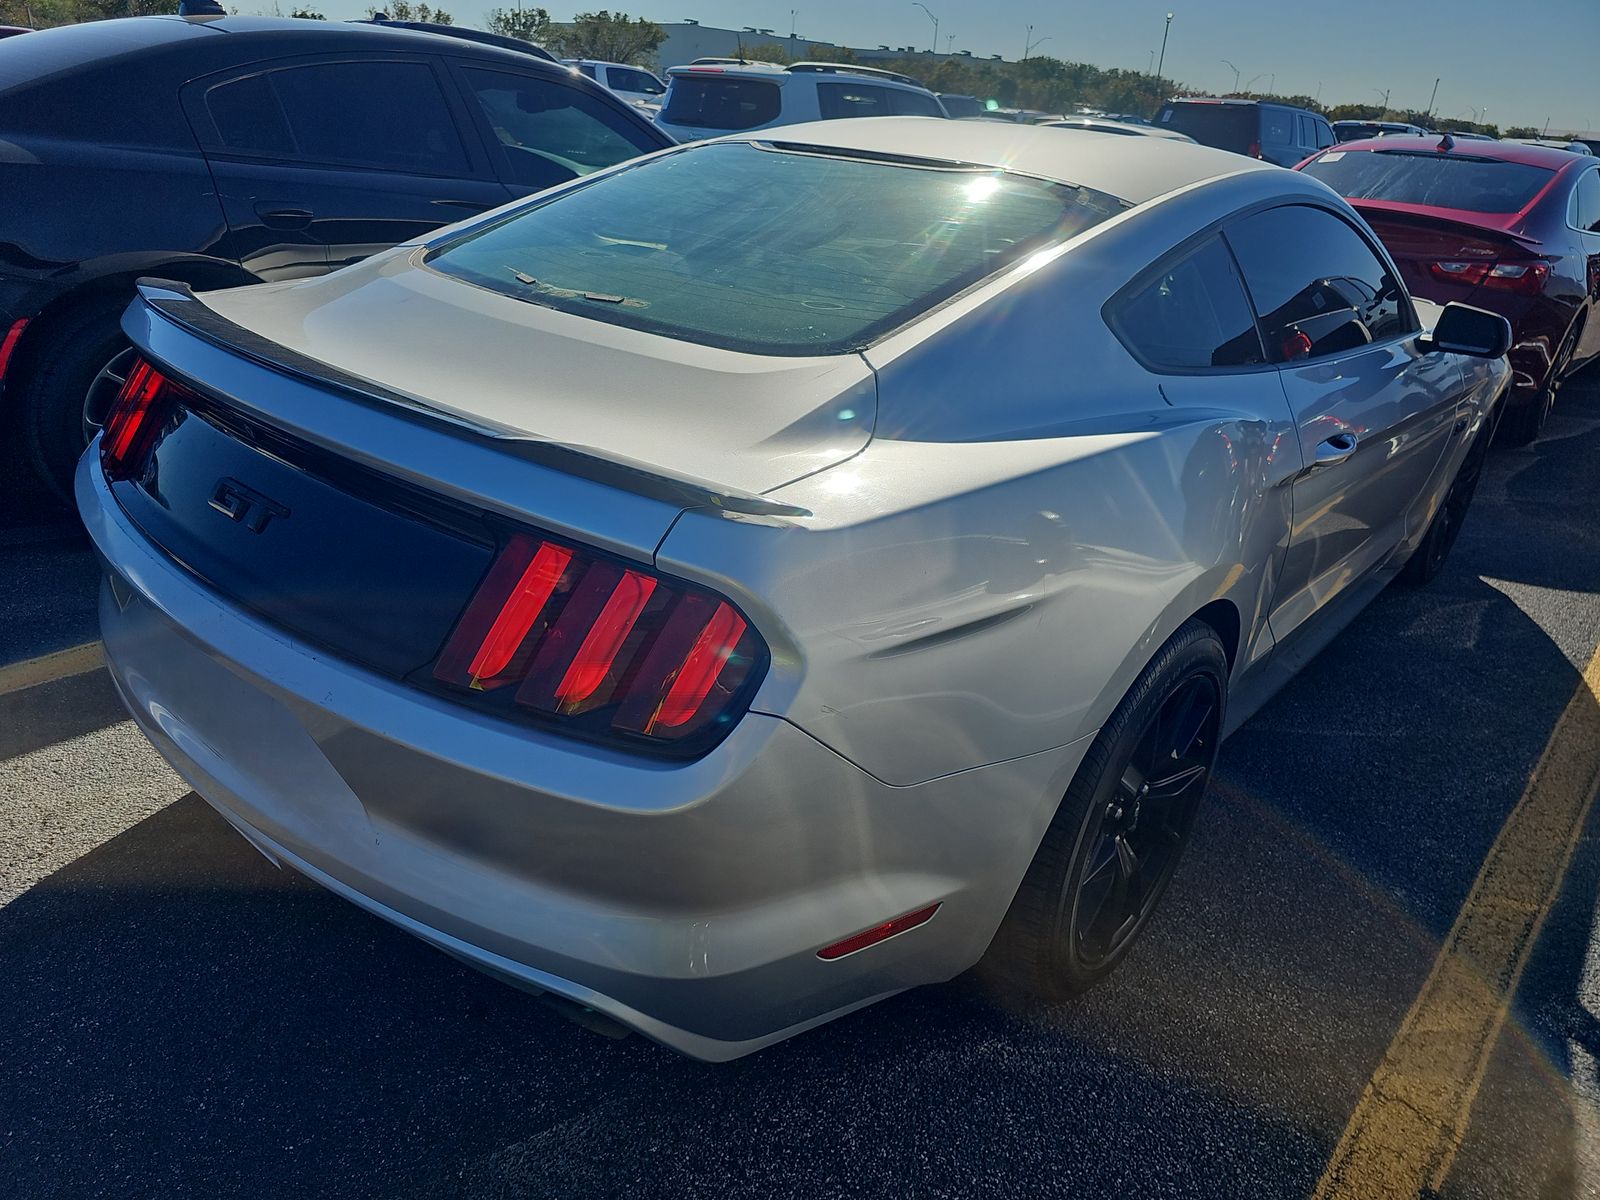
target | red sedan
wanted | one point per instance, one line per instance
(1507, 227)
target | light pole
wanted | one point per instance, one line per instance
(935, 21)
(1252, 83)
(949, 40)
(792, 14)
(1384, 92)
(1235, 71)
(1432, 98)
(1030, 42)
(1272, 84)
(1150, 67)
(1161, 65)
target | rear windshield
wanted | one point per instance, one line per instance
(710, 102)
(1225, 126)
(770, 251)
(1484, 185)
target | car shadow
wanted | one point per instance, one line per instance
(184, 1019)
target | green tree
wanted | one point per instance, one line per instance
(767, 52)
(404, 10)
(307, 14)
(833, 54)
(614, 37)
(529, 24)
(1520, 131)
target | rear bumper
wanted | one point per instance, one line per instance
(686, 900)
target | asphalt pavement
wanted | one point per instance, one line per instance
(181, 1019)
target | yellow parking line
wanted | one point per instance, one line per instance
(1408, 1126)
(47, 668)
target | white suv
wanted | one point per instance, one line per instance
(708, 98)
(633, 84)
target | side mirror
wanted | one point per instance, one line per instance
(1462, 329)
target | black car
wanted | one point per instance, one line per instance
(232, 150)
(1275, 133)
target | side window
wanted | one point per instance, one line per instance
(628, 80)
(550, 133)
(1192, 315)
(1586, 201)
(585, 69)
(1277, 126)
(1325, 136)
(852, 100)
(390, 115)
(1305, 136)
(1319, 287)
(913, 104)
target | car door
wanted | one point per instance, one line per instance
(544, 131)
(1586, 221)
(322, 161)
(1373, 411)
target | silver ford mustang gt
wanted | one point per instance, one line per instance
(778, 572)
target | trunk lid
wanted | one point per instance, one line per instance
(513, 368)
(1417, 240)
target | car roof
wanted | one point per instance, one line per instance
(1239, 103)
(1517, 152)
(800, 70)
(1135, 169)
(49, 51)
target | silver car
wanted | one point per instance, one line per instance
(779, 572)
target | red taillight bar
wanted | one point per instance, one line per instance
(135, 419)
(8, 345)
(878, 933)
(605, 649)
(1525, 277)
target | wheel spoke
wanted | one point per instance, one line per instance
(1180, 781)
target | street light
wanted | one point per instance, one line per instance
(1252, 83)
(932, 18)
(1235, 70)
(1384, 92)
(793, 12)
(949, 40)
(1029, 43)
(1163, 62)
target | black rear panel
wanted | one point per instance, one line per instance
(340, 555)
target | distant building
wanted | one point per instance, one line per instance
(689, 40)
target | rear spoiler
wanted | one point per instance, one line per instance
(176, 303)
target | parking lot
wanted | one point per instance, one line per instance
(183, 1019)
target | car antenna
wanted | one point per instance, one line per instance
(739, 41)
(1446, 143)
(201, 8)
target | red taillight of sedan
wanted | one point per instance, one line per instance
(141, 407)
(1527, 278)
(604, 646)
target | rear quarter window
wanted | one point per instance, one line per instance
(721, 102)
(1191, 314)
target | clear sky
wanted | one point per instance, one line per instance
(1523, 60)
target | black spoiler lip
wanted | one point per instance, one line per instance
(176, 302)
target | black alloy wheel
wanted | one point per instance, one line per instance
(1133, 848)
(1116, 839)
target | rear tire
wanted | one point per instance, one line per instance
(1428, 559)
(55, 388)
(1523, 423)
(1117, 837)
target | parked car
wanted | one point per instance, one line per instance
(709, 99)
(1350, 131)
(465, 32)
(1593, 144)
(1502, 225)
(1571, 146)
(756, 621)
(633, 84)
(1105, 125)
(961, 107)
(206, 150)
(1274, 133)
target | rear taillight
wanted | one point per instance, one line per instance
(602, 648)
(1528, 278)
(8, 344)
(1255, 150)
(135, 419)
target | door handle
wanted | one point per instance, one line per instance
(1335, 449)
(281, 216)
